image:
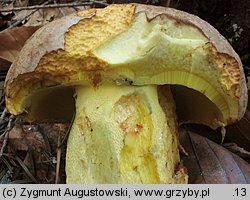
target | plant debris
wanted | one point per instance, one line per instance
(209, 162)
(12, 41)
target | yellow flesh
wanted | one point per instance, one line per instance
(121, 134)
(116, 46)
(159, 53)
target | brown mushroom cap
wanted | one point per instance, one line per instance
(72, 51)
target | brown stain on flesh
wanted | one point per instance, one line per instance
(134, 119)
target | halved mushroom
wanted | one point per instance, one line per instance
(119, 62)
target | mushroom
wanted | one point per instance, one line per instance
(113, 67)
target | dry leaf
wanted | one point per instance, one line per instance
(12, 41)
(205, 131)
(21, 3)
(9, 6)
(36, 137)
(248, 106)
(20, 15)
(210, 163)
(4, 64)
(233, 147)
(43, 16)
(25, 138)
(29, 161)
(40, 140)
(240, 132)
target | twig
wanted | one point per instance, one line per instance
(2, 101)
(168, 3)
(8, 165)
(24, 18)
(68, 131)
(6, 135)
(47, 152)
(58, 158)
(6, 1)
(45, 138)
(19, 21)
(223, 134)
(26, 170)
(60, 9)
(5, 111)
(22, 181)
(84, 3)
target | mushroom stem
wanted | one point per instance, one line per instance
(124, 134)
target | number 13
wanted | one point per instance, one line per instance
(241, 192)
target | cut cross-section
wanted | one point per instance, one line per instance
(123, 134)
(164, 51)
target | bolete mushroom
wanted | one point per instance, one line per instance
(118, 63)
